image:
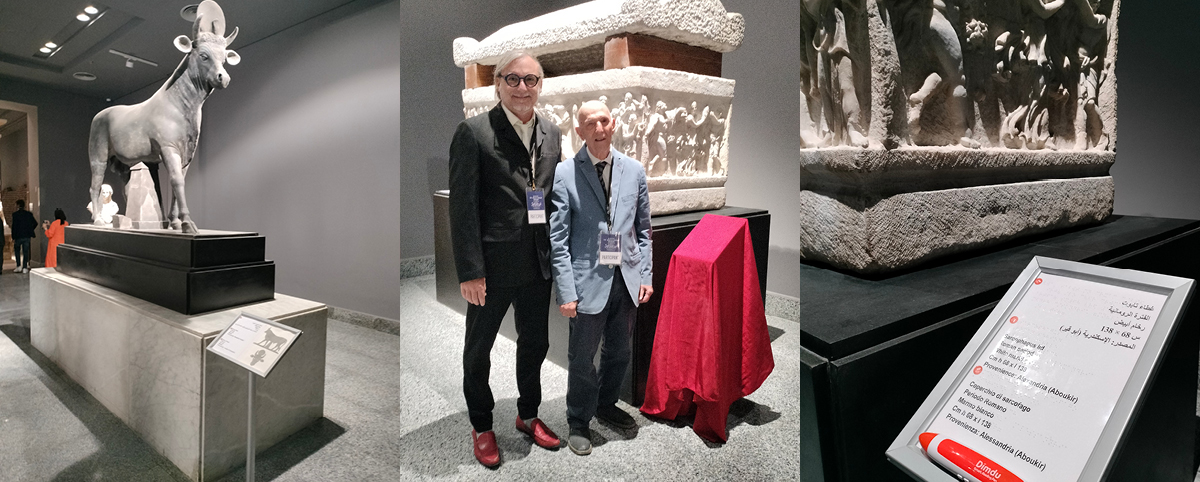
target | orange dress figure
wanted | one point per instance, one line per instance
(55, 234)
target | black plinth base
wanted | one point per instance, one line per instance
(873, 349)
(191, 274)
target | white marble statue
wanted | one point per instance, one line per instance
(108, 207)
(165, 128)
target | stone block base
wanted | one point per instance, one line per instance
(907, 229)
(686, 200)
(148, 365)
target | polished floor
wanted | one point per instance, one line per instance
(394, 410)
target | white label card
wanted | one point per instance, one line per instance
(1039, 396)
(254, 343)
(610, 249)
(535, 202)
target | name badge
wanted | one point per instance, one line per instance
(610, 249)
(535, 202)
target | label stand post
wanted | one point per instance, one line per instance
(250, 427)
(256, 344)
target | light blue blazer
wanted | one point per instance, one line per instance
(577, 220)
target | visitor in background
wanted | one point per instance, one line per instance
(23, 226)
(55, 232)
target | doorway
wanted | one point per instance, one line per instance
(19, 177)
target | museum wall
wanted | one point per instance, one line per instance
(14, 157)
(764, 172)
(303, 146)
(1156, 173)
(431, 96)
(64, 120)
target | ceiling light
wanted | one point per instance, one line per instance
(83, 17)
(130, 58)
(51, 45)
(44, 50)
(90, 10)
(84, 76)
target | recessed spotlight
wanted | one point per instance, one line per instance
(90, 10)
(45, 50)
(51, 45)
(83, 17)
(84, 76)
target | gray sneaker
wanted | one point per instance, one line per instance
(616, 417)
(580, 441)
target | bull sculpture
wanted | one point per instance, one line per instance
(166, 127)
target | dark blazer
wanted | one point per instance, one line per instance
(489, 224)
(23, 225)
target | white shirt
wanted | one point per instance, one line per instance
(524, 129)
(525, 132)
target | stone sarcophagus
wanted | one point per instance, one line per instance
(656, 64)
(932, 127)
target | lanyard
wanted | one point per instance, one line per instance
(535, 152)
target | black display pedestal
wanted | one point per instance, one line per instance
(668, 232)
(873, 349)
(208, 271)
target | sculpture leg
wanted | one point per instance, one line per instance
(98, 160)
(950, 60)
(849, 97)
(175, 169)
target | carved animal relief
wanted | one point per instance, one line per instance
(932, 127)
(1015, 74)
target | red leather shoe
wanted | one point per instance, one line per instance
(541, 434)
(486, 451)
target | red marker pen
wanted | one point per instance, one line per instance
(963, 462)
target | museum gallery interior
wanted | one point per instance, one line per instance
(913, 253)
(248, 262)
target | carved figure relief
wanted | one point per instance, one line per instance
(669, 136)
(827, 75)
(1016, 74)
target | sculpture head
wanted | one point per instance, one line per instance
(515, 72)
(206, 50)
(595, 127)
(106, 193)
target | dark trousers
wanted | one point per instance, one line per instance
(531, 305)
(22, 246)
(587, 389)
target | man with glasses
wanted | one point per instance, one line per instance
(501, 166)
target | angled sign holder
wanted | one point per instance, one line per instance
(1047, 387)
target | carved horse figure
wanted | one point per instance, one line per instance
(166, 127)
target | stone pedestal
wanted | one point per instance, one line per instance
(148, 365)
(877, 210)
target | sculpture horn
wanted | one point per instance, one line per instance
(229, 39)
(210, 18)
(196, 26)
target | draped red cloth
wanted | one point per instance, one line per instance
(711, 345)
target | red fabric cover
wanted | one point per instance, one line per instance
(711, 345)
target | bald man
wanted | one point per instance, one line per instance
(600, 257)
